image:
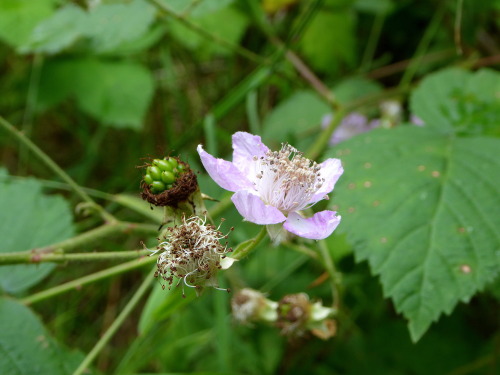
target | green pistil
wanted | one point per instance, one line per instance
(162, 173)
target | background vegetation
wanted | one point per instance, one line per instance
(94, 87)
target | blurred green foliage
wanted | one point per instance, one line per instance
(101, 85)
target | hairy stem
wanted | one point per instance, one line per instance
(56, 252)
(429, 34)
(243, 249)
(54, 257)
(88, 279)
(141, 291)
(332, 272)
(55, 168)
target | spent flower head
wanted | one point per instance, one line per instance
(192, 252)
(273, 187)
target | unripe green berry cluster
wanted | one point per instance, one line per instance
(162, 173)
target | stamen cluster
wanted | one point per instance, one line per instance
(191, 252)
(286, 179)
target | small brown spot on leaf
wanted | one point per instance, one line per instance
(351, 186)
(335, 207)
(43, 341)
(368, 165)
(376, 203)
(435, 174)
(351, 210)
(383, 240)
(461, 230)
(367, 184)
(421, 168)
(465, 268)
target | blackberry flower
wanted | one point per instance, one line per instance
(273, 187)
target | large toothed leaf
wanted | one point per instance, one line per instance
(29, 219)
(458, 101)
(26, 348)
(423, 208)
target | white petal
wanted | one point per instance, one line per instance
(245, 147)
(223, 172)
(251, 207)
(331, 170)
(317, 227)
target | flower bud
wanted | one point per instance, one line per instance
(249, 306)
(192, 252)
(298, 315)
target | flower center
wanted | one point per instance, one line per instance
(286, 179)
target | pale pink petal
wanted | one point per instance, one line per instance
(251, 207)
(318, 227)
(246, 146)
(331, 170)
(224, 172)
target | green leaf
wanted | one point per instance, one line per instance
(109, 25)
(355, 88)
(301, 111)
(457, 101)
(423, 209)
(106, 25)
(116, 93)
(379, 7)
(197, 8)
(329, 41)
(29, 220)
(18, 18)
(57, 32)
(161, 304)
(228, 24)
(27, 348)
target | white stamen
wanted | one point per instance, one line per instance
(286, 179)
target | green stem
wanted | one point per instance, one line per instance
(312, 79)
(373, 39)
(37, 257)
(95, 234)
(88, 279)
(332, 272)
(243, 249)
(214, 38)
(116, 325)
(27, 125)
(302, 249)
(423, 45)
(322, 141)
(55, 168)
